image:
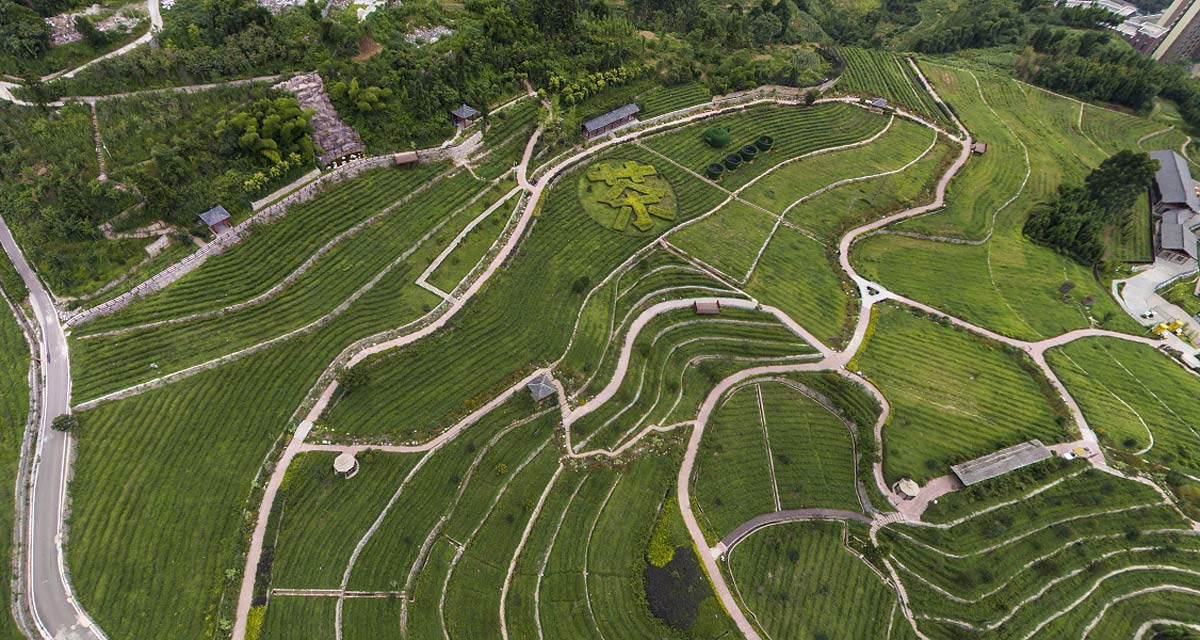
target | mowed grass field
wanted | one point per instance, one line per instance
(1047, 560)
(798, 580)
(1136, 399)
(954, 396)
(1006, 283)
(14, 410)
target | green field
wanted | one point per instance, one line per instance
(796, 130)
(1006, 283)
(523, 319)
(954, 396)
(871, 74)
(799, 581)
(506, 136)
(1011, 569)
(389, 253)
(676, 358)
(253, 266)
(1137, 400)
(474, 246)
(802, 452)
(322, 517)
(663, 99)
(299, 618)
(14, 409)
(729, 239)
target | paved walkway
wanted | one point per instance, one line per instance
(790, 515)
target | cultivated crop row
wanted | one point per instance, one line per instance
(954, 397)
(663, 99)
(273, 251)
(507, 136)
(797, 130)
(14, 407)
(520, 320)
(812, 450)
(870, 73)
(118, 361)
(795, 580)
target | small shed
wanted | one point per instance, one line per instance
(1000, 462)
(877, 105)
(907, 488)
(217, 219)
(602, 124)
(464, 116)
(405, 158)
(979, 148)
(707, 307)
(345, 465)
(541, 387)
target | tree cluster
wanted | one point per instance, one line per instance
(273, 129)
(1074, 222)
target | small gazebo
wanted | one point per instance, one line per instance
(464, 115)
(217, 219)
(908, 488)
(345, 465)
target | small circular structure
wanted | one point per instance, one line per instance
(748, 153)
(908, 488)
(733, 161)
(714, 171)
(764, 143)
(345, 465)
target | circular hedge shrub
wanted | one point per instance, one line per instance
(733, 161)
(749, 153)
(714, 171)
(717, 137)
(764, 143)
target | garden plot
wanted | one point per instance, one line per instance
(798, 580)
(954, 396)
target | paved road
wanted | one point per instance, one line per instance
(55, 611)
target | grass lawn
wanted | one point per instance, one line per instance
(1135, 399)
(1183, 294)
(798, 579)
(954, 396)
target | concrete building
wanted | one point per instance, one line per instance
(1175, 205)
(217, 219)
(1182, 40)
(1000, 462)
(614, 119)
(345, 465)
